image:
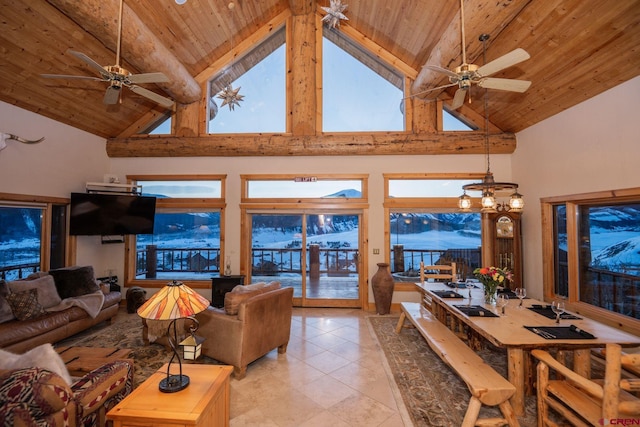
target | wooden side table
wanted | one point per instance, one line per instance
(205, 402)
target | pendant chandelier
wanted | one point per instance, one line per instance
(489, 187)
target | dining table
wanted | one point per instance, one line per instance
(521, 329)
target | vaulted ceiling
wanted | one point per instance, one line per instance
(578, 49)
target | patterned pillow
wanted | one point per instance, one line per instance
(35, 393)
(47, 292)
(25, 304)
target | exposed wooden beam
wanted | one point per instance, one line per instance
(140, 47)
(325, 145)
(301, 7)
(480, 17)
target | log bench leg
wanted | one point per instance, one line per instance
(403, 316)
(473, 410)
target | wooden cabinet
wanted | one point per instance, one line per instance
(503, 244)
(204, 403)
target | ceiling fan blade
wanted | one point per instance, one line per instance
(64, 76)
(148, 78)
(504, 84)
(443, 71)
(93, 64)
(430, 90)
(165, 102)
(458, 99)
(112, 96)
(512, 58)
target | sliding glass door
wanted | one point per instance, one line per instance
(315, 253)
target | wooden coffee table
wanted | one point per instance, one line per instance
(81, 360)
(204, 403)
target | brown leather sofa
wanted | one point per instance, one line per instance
(19, 336)
(256, 319)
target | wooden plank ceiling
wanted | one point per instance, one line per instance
(578, 49)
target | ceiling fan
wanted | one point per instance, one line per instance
(465, 75)
(118, 77)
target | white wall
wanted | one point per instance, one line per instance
(590, 147)
(60, 164)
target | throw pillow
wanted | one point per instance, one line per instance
(241, 293)
(74, 281)
(25, 304)
(47, 292)
(6, 313)
(43, 356)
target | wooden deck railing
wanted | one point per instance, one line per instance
(16, 272)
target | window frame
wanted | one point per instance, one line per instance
(47, 205)
(420, 204)
(179, 204)
(573, 204)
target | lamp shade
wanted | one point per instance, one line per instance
(174, 301)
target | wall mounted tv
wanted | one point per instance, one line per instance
(94, 214)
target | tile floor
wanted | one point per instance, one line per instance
(333, 374)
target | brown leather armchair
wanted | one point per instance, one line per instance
(262, 323)
(36, 396)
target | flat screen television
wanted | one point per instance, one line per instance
(94, 214)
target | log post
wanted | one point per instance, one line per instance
(152, 263)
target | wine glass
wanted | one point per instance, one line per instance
(521, 293)
(502, 301)
(557, 306)
(469, 285)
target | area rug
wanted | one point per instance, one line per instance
(126, 332)
(432, 393)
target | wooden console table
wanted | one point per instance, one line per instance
(205, 402)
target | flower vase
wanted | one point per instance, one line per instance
(382, 285)
(490, 295)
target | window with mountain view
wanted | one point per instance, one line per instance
(186, 239)
(425, 226)
(599, 268)
(23, 248)
(609, 257)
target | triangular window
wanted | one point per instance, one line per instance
(359, 91)
(260, 76)
(452, 123)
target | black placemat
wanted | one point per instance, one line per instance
(509, 293)
(475, 311)
(447, 294)
(546, 311)
(561, 332)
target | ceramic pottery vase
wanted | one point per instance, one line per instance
(382, 284)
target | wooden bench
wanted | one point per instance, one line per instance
(487, 386)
